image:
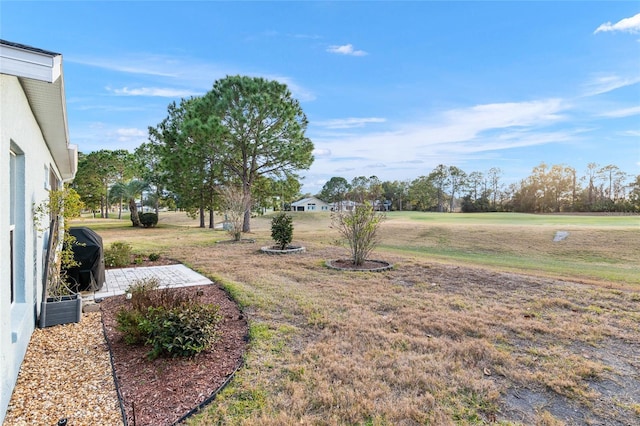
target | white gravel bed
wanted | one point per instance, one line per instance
(66, 373)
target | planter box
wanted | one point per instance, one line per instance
(64, 311)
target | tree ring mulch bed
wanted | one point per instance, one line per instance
(368, 265)
(277, 250)
(164, 390)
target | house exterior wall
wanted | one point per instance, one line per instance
(311, 204)
(20, 134)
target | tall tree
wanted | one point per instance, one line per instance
(634, 194)
(99, 170)
(493, 176)
(334, 190)
(438, 178)
(456, 180)
(422, 193)
(260, 127)
(474, 183)
(149, 159)
(591, 176)
(396, 192)
(188, 157)
(286, 190)
(359, 189)
(87, 183)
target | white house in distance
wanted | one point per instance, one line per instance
(311, 204)
(35, 156)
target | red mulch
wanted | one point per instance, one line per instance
(160, 392)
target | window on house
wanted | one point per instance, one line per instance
(12, 220)
(53, 180)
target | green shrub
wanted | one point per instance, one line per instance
(148, 220)
(359, 227)
(118, 255)
(170, 321)
(282, 230)
(129, 322)
(185, 330)
(154, 256)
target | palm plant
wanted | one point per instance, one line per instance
(130, 191)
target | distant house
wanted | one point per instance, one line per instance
(311, 204)
(346, 205)
(35, 156)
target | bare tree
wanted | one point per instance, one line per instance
(234, 204)
(359, 227)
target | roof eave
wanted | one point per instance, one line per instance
(41, 76)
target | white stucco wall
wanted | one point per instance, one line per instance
(19, 131)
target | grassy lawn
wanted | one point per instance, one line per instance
(483, 319)
(598, 249)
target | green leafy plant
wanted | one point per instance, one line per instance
(148, 220)
(56, 212)
(118, 254)
(129, 321)
(171, 322)
(154, 256)
(282, 230)
(185, 330)
(359, 227)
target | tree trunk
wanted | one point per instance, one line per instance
(133, 209)
(120, 209)
(211, 223)
(246, 224)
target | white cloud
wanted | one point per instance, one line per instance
(131, 132)
(449, 136)
(143, 64)
(634, 133)
(607, 83)
(154, 91)
(321, 152)
(346, 49)
(297, 91)
(627, 25)
(625, 112)
(349, 123)
(131, 136)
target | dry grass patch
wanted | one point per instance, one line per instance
(425, 343)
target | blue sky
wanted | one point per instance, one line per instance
(391, 89)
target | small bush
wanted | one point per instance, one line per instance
(185, 330)
(282, 230)
(129, 325)
(141, 291)
(148, 220)
(170, 321)
(118, 255)
(154, 256)
(359, 227)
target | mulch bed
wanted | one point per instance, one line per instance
(367, 265)
(162, 391)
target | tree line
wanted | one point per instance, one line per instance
(247, 134)
(549, 189)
